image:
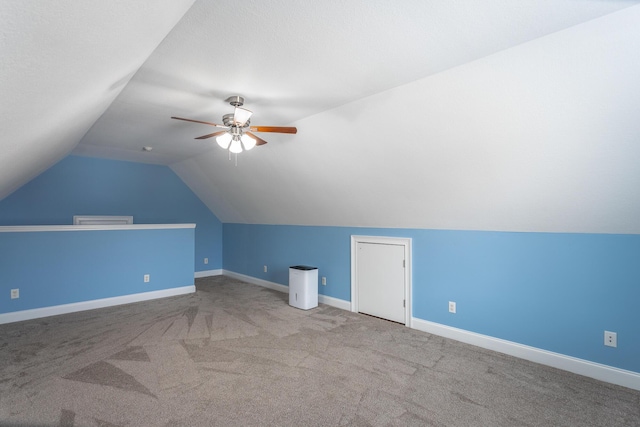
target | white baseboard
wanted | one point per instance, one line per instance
(36, 313)
(598, 371)
(323, 299)
(334, 302)
(207, 273)
(255, 281)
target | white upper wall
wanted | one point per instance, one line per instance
(540, 137)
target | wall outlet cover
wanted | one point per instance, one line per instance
(610, 339)
(452, 307)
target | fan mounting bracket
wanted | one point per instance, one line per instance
(235, 100)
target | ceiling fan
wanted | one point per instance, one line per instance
(238, 135)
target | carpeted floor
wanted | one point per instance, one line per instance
(234, 354)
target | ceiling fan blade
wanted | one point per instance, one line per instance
(200, 121)
(259, 141)
(211, 135)
(276, 129)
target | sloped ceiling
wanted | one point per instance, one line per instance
(62, 63)
(493, 115)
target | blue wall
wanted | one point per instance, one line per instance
(557, 292)
(553, 291)
(87, 186)
(60, 267)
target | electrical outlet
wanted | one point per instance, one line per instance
(610, 339)
(206, 260)
(15, 293)
(265, 268)
(324, 281)
(452, 307)
(146, 278)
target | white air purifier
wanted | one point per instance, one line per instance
(303, 286)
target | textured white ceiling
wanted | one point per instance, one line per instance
(62, 63)
(293, 59)
(457, 114)
(541, 137)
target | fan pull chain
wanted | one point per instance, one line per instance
(236, 159)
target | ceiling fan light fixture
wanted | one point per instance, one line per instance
(224, 140)
(233, 138)
(241, 116)
(248, 142)
(236, 146)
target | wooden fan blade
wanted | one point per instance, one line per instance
(200, 121)
(276, 129)
(259, 141)
(211, 135)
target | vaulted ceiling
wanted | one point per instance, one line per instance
(492, 115)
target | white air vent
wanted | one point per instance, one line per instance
(101, 220)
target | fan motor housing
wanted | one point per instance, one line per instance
(227, 119)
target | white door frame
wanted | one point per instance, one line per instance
(402, 241)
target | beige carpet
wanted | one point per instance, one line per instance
(234, 354)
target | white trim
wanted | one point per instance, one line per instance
(587, 368)
(30, 228)
(323, 299)
(102, 220)
(334, 302)
(408, 287)
(255, 281)
(207, 273)
(36, 313)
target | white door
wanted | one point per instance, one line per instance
(380, 275)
